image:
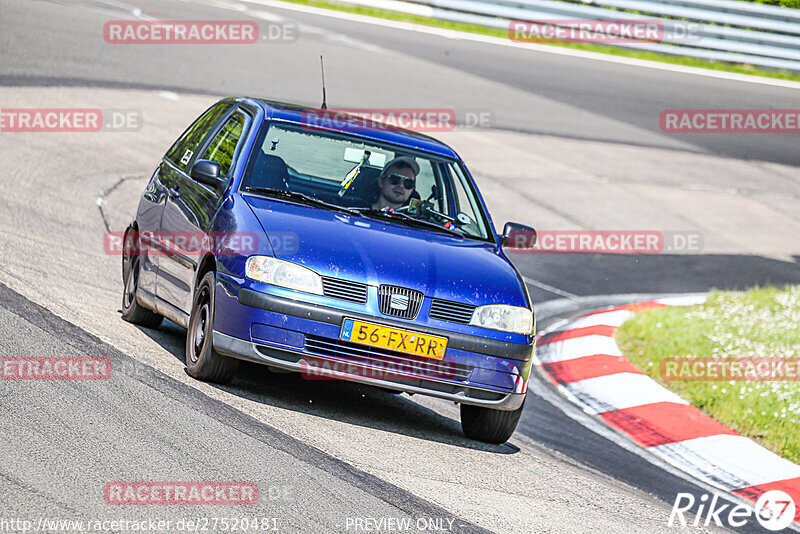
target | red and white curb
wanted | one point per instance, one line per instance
(583, 361)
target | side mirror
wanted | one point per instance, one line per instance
(207, 172)
(518, 236)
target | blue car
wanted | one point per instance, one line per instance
(326, 244)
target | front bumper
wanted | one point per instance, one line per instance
(298, 336)
(295, 361)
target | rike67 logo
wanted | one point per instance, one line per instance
(774, 510)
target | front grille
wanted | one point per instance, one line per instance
(386, 360)
(344, 289)
(399, 301)
(455, 312)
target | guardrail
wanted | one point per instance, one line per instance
(719, 30)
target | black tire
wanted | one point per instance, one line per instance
(489, 425)
(202, 361)
(132, 311)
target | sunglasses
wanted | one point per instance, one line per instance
(395, 179)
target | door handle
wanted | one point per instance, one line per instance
(174, 193)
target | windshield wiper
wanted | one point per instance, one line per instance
(366, 212)
(299, 197)
(399, 216)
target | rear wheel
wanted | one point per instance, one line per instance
(132, 311)
(489, 425)
(202, 361)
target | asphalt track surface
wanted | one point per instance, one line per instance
(371, 65)
(65, 441)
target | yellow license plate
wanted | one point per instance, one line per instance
(395, 339)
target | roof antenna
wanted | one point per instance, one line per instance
(322, 68)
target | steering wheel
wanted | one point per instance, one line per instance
(425, 210)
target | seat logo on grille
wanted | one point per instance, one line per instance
(399, 302)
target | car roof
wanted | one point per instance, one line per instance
(366, 129)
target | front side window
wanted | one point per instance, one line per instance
(365, 177)
(222, 148)
(184, 148)
(467, 207)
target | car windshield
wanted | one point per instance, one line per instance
(335, 171)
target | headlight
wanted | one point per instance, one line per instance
(283, 273)
(503, 317)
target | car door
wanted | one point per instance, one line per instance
(154, 199)
(148, 220)
(176, 162)
(191, 207)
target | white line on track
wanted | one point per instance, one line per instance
(551, 289)
(330, 36)
(266, 15)
(466, 36)
(133, 10)
(169, 95)
(227, 4)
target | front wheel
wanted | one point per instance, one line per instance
(489, 425)
(202, 361)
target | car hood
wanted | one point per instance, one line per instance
(375, 252)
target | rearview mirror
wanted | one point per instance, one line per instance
(355, 155)
(207, 172)
(518, 236)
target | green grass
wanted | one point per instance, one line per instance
(611, 50)
(758, 323)
(785, 3)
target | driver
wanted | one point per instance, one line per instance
(397, 182)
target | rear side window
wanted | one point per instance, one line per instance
(222, 148)
(184, 148)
